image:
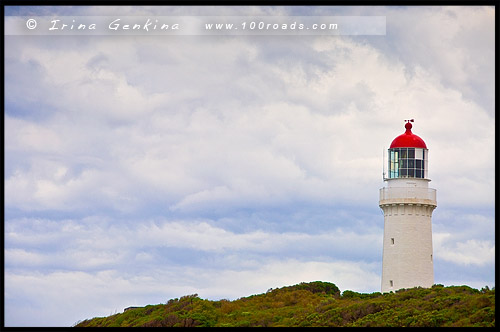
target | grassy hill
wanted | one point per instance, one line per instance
(319, 304)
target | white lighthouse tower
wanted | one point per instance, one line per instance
(407, 202)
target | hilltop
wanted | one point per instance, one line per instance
(319, 304)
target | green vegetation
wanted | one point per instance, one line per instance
(319, 304)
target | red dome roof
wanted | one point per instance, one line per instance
(408, 140)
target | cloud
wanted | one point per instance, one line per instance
(84, 245)
(453, 42)
(464, 239)
(200, 155)
(470, 252)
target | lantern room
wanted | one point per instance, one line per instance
(408, 156)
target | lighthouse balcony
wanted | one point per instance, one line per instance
(408, 195)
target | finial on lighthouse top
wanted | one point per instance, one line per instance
(408, 126)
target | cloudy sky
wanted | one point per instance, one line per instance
(143, 168)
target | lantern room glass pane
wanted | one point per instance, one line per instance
(407, 163)
(419, 153)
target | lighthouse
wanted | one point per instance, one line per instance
(407, 203)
